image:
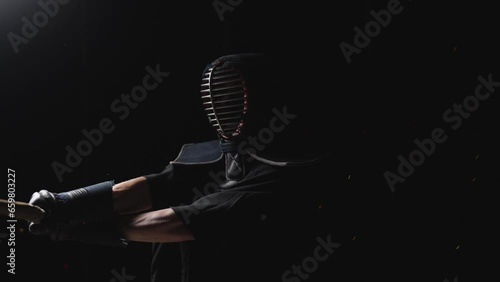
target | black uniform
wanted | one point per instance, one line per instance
(245, 230)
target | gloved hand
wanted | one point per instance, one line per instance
(77, 214)
(57, 216)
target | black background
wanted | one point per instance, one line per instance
(396, 90)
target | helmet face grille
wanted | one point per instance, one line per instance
(224, 98)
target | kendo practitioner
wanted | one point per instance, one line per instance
(236, 206)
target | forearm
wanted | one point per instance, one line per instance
(161, 226)
(131, 196)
